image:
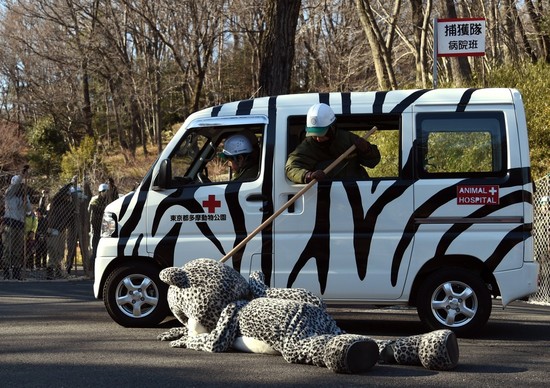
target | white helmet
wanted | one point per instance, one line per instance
(103, 187)
(237, 145)
(319, 119)
(16, 179)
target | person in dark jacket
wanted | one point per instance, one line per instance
(96, 208)
(112, 191)
(323, 144)
(60, 218)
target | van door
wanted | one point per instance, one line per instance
(204, 212)
(469, 210)
(466, 198)
(344, 239)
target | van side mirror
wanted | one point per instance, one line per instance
(164, 176)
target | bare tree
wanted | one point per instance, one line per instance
(421, 23)
(236, 71)
(51, 51)
(190, 30)
(123, 70)
(461, 71)
(277, 44)
(536, 12)
(522, 35)
(380, 47)
(509, 46)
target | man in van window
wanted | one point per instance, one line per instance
(323, 144)
(242, 155)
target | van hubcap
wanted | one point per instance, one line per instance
(454, 304)
(137, 296)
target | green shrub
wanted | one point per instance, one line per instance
(46, 147)
(83, 161)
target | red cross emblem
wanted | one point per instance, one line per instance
(211, 204)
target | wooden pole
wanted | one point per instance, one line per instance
(292, 200)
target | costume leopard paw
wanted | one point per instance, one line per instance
(173, 334)
(437, 350)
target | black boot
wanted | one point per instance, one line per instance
(350, 353)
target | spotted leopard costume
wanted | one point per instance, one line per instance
(220, 310)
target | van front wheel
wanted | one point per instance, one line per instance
(455, 299)
(135, 296)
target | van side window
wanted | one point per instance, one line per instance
(387, 138)
(200, 159)
(461, 144)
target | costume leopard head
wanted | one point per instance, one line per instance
(201, 289)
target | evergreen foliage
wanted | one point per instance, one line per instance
(47, 147)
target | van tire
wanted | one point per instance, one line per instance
(455, 299)
(135, 296)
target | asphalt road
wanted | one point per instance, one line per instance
(54, 334)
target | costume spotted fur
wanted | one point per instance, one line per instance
(220, 310)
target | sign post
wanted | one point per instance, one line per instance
(458, 38)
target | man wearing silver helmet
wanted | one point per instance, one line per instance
(242, 152)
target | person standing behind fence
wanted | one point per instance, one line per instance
(72, 223)
(96, 208)
(41, 247)
(112, 191)
(16, 205)
(31, 224)
(59, 216)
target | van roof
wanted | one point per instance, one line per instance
(380, 101)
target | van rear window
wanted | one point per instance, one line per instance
(461, 144)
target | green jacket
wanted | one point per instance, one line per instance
(311, 155)
(248, 173)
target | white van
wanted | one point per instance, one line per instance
(443, 223)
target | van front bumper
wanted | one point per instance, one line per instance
(100, 265)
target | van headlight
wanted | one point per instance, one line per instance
(108, 225)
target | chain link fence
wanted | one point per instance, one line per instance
(57, 236)
(54, 241)
(541, 230)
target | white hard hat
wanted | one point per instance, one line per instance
(237, 145)
(319, 118)
(103, 187)
(15, 179)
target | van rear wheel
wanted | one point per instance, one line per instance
(135, 296)
(455, 299)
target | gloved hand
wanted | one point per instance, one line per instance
(318, 175)
(362, 145)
